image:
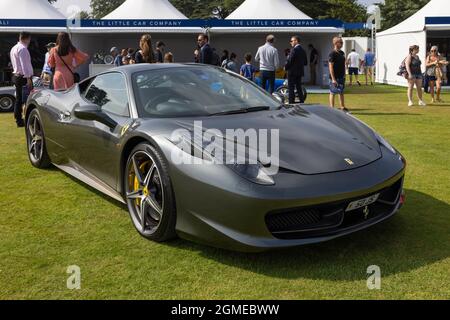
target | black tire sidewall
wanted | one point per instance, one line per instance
(166, 229)
(10, 109)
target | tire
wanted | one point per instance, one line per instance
(36, 146)
(284, 90)
(7, 103)
(149, 194)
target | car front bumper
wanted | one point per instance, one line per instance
(217, 207)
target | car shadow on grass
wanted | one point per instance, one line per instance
(416, 237)
(93, 190)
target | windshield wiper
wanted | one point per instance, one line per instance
(243, 110)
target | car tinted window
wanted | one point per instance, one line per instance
(109, 92)
(195, 91)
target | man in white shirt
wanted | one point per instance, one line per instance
(353, 64)
(269, 61)
(22, 73)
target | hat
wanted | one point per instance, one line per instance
(114, 49)
(50, 45)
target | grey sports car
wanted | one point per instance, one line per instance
(124, 132)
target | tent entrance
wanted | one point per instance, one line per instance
(442, 40)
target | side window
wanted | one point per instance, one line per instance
(84, 85)
(109, 91)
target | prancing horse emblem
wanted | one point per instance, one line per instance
(366, 212)
(349, 161)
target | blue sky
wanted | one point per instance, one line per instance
(84, 4)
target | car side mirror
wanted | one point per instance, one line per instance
(281, 98)
(93, 112)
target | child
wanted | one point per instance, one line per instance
(248, 70)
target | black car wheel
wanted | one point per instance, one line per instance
(149, 194)
(37, 151)
(7, 103)
(284, 90)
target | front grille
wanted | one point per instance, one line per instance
(331, 218)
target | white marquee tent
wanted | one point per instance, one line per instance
(256, 13)
(424, 29)
(268, 9)
(28, 9)
(146, 9)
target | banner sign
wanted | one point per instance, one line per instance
(355, 26)
(437, 20)
(281, 23)
(175, 23)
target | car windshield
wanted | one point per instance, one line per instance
(196, 91)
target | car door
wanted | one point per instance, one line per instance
(95, 147)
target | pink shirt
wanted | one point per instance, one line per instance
(21, 60)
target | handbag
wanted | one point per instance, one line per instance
(431, 71)
(402, 71)
(76, 76)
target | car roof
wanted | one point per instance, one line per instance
(132, 68)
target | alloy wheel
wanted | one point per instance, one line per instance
(6, 103)
(35, 141)
(145, 192)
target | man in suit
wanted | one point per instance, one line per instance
(206, 53)
(295, 67)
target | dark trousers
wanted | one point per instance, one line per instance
(268, 76)
(19, 82)
(295, 82)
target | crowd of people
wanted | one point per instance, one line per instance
(63, 58)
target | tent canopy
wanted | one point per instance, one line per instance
(416, 23)
(273, 16)
(267, 9)
(146, 9)
(28, 9)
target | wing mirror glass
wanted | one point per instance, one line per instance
(93, 112)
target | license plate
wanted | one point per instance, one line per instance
(362, 203)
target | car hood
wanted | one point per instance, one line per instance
(313, 139)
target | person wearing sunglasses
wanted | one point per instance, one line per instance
(434, 64)
(205, 53)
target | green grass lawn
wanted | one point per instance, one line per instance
(49, 221)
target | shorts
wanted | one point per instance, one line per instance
(339, 89)
(417, 76)
(432, 78)
(353, 71)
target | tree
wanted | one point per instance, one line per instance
(346, 10)
(101, 8)
(395, 11)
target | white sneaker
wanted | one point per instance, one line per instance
(410, 104)
(422, 104)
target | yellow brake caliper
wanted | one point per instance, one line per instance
(136, 185)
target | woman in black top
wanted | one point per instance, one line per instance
(414, 69)
(146, 54)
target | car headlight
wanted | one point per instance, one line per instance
(253, 172)
(386, 144)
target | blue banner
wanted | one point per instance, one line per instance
(158, 23)
(176, 23)
(437, 20)
(355, 26)
(274, 23)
